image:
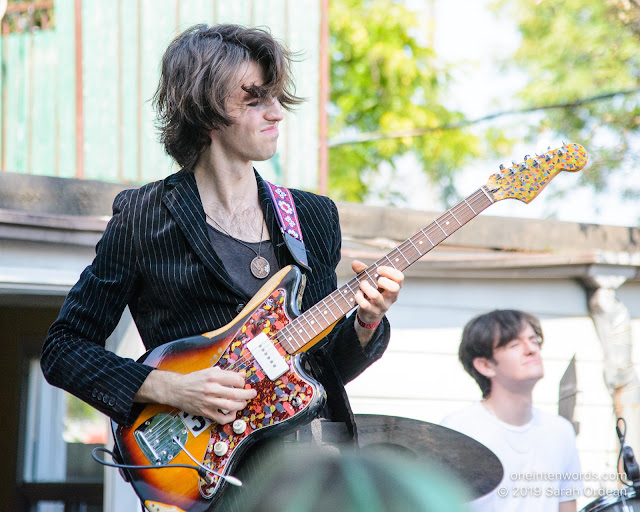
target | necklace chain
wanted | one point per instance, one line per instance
(259, 267)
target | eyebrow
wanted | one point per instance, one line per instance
(254, 91)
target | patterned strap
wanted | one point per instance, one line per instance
(287, 216)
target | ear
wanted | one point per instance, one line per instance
(485, 367)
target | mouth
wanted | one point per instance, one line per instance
(273, 129)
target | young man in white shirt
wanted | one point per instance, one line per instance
(501, 351)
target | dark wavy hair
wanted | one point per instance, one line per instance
(484, 333)
(197, 77)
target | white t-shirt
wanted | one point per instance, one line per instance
(540, 459)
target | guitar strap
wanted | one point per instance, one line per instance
(287, 215)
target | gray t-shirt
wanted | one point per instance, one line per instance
(236, 256)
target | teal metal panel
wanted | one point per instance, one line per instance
(302, 126)
(129, 106)
(193, 12)
(3, 91)
(236, 11)
(65, 106)
(17, 105)
(100, 79)
(123, 42)
(42, 113)
(158, 27)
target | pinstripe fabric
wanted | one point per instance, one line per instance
(156, 257)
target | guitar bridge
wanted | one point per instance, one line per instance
(154, 438)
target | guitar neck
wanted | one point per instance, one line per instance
(319, 318)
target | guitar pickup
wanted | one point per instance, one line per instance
(267, 356)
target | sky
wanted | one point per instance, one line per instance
(467, 32)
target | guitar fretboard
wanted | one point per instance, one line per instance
(317, 319)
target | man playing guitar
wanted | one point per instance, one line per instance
(186, 254)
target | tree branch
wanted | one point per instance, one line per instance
(416, 132)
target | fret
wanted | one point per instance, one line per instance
(287, 343)
(336, 303)
(470, 207)
(486, 193)
(345, 302)
(414, 246)
(312, 323)
(327, 309)
(403, 256)
(365, 274)
(300, 323)
(430, 241)
(389, 260)
(451, 212)
(445, 233)
(346, 290)
(291, 338)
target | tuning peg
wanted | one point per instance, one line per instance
(527, 157)
(514, 163)
(564, 143)
(547, 157)
(523, 166)
(536, 163)
(561, 152)
(501, 167)
(548, 148)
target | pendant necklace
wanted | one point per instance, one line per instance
(259, 267)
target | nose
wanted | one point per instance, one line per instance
(274, 111)
(532, 346)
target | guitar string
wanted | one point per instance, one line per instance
(428, 230)
(462, 207)
(435, 227)
(431, 229)
(478, 198)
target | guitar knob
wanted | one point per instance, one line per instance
(220, 448)
(296, 401)
(239, 426)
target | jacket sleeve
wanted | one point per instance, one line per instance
(74, 357)
(342, 344)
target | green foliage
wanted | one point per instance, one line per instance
(578, 49)
(384, 81)
(26, 16)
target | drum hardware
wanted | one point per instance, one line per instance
(470, 461)
(626, 499)
(630, 464)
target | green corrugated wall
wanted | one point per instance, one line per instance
(122, 42)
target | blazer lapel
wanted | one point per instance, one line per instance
(183, 201)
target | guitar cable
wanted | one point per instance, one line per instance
(203, 471)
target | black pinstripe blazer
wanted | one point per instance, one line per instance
(156, 257)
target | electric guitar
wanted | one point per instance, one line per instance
(266, 340)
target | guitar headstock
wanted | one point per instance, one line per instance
(524, 181)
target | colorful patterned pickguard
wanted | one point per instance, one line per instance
(273, 404)
(527, 180)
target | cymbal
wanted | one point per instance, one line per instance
(477, 467)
